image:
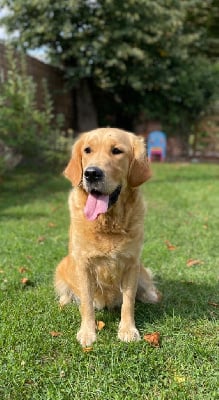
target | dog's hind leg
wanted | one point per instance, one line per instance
(62, 287)
(146, 291)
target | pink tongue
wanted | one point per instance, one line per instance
(95, 205)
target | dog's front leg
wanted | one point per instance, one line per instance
(127, 329)
(86, 335)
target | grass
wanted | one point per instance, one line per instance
(182, 209)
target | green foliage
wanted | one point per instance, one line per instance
(141, 53)
(205, 19)
(32, 132)
(195, 87)
(19, 118)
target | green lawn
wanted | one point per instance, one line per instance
(183, 210)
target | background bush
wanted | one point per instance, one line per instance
(34, 134)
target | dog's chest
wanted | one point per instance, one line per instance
(108, 270)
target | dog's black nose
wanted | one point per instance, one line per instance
(93, 174)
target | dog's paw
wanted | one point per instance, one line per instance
(128, 334)
(86, 337)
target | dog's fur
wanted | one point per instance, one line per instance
(103, 266)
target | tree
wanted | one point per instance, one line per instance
(137, 54)
(206, 21)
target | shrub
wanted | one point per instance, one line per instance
(36, 135)
(8, 159)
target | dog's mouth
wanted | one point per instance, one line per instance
(98, 203)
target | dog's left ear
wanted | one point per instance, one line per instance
(139, 171)
(73, 171)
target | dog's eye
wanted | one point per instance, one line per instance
(87, 150)
(116, 150)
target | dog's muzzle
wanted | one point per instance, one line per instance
(99, 200)
(93, 174)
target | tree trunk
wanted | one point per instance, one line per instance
(86, 110)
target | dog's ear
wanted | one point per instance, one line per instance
(139, 171)
(73, 171)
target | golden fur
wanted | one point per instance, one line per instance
(102, 268)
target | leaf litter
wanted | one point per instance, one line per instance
(153, 339)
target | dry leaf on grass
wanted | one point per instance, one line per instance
(41, 239)
(192, 262)
(22, 270)
(170, 246)
(51, 225)
(29, 382)
(100, 325)
(54, 209)
(153, 338)
(55, 334)
(179, 378)
(87, 349)
(212, 303)
(62, 374)
(24, 281)
(29, 257)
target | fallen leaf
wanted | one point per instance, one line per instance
(169, 245)
(153, 338)
(24, 281)
(55, 334)
(22, 270)
(29, 382)
(62, 374)
(192, 262)
(51, 225)
(87, 349)
(41, 239)
(100, 325)
(211, 303)
(29, 257)
(179, 378)
(54, 209)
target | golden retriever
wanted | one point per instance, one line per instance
(103, 266)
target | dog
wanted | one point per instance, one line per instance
(103, 268)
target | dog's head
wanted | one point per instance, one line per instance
(104, 162)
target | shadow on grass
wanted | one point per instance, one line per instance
(181, 299)
(24, 186)
(182, 303)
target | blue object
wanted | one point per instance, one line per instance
(157, 144)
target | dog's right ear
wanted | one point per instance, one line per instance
(73, 171)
